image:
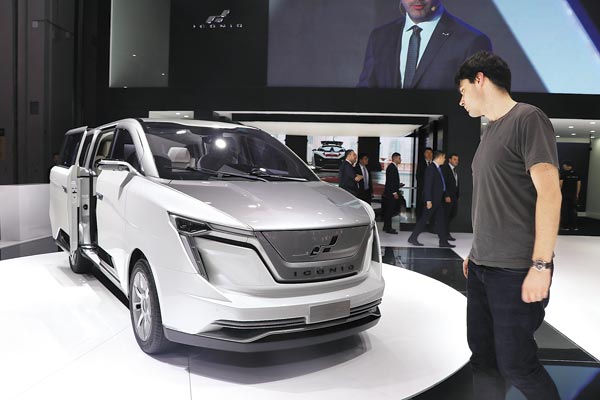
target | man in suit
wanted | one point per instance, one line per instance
(349, 179)
(421, 167)
(452, 192)
(433, 193)
(365, 187)
(391, 195)
(420, 50)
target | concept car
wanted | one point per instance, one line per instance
(218, 234)
(329, 156)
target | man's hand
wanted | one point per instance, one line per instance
(466, 268)
(448, 199)
(358, 178)
(395, 195)
(536, 286)
(429, 205)
(402, 184)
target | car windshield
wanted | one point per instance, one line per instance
(185, 152)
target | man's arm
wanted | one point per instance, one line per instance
(547, 217)
(578, 189)
(428, 186)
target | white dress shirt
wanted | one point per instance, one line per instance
(426, 33)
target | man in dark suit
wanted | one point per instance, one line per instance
(420, 50)
(421, 167)
(365, 186)
(433, 193)
(391, 195)
(349, 179)
(452, 193)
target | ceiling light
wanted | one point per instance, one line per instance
(593, 123)
(592, 131)
(571, 127)
(124, 87)
(557, 135)
(186, 116)
(573, 134)
(134, 55)
(163, 74)
(177, 113)
(593, 137)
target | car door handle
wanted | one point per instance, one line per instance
(99, 195)
(64, 188)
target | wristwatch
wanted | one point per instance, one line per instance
(541, 265)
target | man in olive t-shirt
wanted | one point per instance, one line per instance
(516, 211)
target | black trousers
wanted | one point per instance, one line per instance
(450, 210)
(500, 328)
(569, 212)
(389, 209)
(437, 214)
(364, 196)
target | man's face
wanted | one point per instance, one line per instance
(397, 160)
(364, 161)
(421, 10)
(567, 167)
(441, 159)
(454, 161)
(471, 97)
(352, 157)
(428, 155)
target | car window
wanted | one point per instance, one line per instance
(123, 149)
(188, 152)
(101, 148)
(86, 146)
(68, 153)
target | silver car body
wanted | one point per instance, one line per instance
(265, 265)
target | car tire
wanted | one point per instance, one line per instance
(144, 309)
(78, 263)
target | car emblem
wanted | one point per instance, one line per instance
(324, 248)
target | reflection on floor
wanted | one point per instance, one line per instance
(576, 373)
(29, 248)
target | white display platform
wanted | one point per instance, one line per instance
(66, 336)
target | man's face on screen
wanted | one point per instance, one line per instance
(420, 10)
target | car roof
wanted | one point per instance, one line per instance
(197, 123)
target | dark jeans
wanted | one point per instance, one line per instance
(500, 328)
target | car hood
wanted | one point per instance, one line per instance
(280, 205)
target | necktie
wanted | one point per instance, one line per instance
(441, 176)
(412, 56)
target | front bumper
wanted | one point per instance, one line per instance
(255, 336)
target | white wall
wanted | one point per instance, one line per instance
(593, 193)
(24, 212)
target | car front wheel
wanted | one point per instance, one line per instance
(145, 310)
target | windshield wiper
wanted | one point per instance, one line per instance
(221, 173)
(260, 172)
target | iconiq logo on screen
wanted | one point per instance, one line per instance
(219, 22)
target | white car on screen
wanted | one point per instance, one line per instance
(217, 233)
(330, 155)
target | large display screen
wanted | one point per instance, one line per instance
(552, 46)
(549, 44)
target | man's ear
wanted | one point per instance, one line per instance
(479, 78)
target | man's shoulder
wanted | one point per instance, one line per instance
(461, 27)
(389, 28)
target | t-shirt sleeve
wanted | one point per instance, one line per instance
(537, 140)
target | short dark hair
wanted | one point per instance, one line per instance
(568, 163)
(362, 155)
(347, 153)
(452, 155)
(491, 65)
(395, 154)
(438, 153)
(427, 148)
